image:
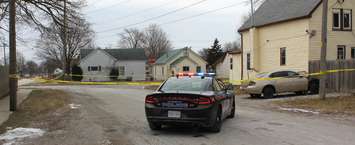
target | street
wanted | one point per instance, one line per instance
(115, 115)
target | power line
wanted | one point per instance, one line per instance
(140, 12)
(156, 17)
(110, 6)
(201, 14)
(193, 16)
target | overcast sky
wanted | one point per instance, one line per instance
(198, 32)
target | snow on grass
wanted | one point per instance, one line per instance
(11, 136)
(74, 106)
(298, 110)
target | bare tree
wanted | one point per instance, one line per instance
(231, 46)
(50, 46)
(31, 68)
(156, 41)
(131, 38)
(38, 12)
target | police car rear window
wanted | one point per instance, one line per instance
(186, 84)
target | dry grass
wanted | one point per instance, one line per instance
(337, 105)
(39, 106)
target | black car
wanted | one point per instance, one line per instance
(190, 100)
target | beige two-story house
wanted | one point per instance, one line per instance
(178, 61)
(286, 34)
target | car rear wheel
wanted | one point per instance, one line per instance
(268, 92)
(216, 127)
(232, 115)
(154, 126)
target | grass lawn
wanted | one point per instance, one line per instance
(38, 107)
(336, 105)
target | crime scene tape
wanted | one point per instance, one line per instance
(305, 75)
(41, 80)
(52, 81)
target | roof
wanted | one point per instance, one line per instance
(276, 11)
(169, 56)
(119, 54)
(235, 52)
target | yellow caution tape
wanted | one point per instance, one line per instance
(158, 83)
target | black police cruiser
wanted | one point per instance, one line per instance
(191, 99)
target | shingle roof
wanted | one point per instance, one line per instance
(119, 54)
(168, 56)
(273, 11)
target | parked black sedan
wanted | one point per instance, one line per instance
(190, 99)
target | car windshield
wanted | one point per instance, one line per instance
(185, 84)
(262, 75)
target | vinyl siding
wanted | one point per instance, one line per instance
(266, 53)
(235, 74)
(335, 38)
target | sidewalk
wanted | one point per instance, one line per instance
(5, 102)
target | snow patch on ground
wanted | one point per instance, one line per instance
(298, 110)
(74, 106)
(11, 136)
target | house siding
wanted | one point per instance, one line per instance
(97, 58)
(267, 42)
(335, 38)
(134, 68)
(235, 74)
(223, 68)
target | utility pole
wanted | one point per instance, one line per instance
(65, 45)
(4, 46)
(13, 63)
(323, 58)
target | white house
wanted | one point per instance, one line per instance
(177, 61)
(97, 64)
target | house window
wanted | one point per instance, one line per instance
(283, 56)
(198, 69)
(231, 63)
(353, 53)
(336, 19)
(94, 68)
(342, 19)
(347, 19)
(121, 71)
(248, 62)
(341, 52)
(186, 68)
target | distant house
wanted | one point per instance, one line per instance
(287, 35)
(222, 67)
(176, 61)
(235, 66)
(97, 64)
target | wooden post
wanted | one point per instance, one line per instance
(323, 58)
(13, 63)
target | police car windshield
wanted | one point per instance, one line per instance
(186, 84)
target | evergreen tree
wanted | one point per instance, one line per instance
(214, 53)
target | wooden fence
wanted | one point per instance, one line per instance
(343, 82)
(4, 82)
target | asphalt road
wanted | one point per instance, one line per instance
(115, 115)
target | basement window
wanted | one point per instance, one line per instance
(283, 56)
(94, 68)
(341, 52)
(353, 53)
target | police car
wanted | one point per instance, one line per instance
(191, 99)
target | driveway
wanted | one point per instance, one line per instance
(115, 115)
